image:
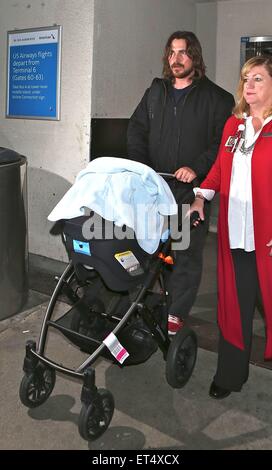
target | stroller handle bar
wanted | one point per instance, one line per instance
(171, 176)
(166, 175)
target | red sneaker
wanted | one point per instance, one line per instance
(174, 324)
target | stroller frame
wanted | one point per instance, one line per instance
(98, 404)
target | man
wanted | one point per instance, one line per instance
(177, 129)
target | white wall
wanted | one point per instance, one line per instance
(236, 18)
(129, 38)
(206, 29)
(56, 150)
(220, 25)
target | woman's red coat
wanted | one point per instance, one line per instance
(219, 179)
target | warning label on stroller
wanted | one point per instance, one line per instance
(116, 348)
(129, 262)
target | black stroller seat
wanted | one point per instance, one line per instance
(108, 295)
(120, 261)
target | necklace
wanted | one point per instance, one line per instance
(242, 147)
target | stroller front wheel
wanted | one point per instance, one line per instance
(37, 386)
(181, 358)
(95, 417)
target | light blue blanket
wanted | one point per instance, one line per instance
(123, 191)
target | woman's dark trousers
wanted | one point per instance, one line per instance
(233, 363)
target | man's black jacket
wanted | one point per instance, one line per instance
(168, 136)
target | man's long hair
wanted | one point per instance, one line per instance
(194, 51)
(241, 104)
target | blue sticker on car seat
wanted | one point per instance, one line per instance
(81, 247)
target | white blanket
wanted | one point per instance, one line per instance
(123, 191)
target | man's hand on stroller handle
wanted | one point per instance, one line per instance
(196, 212)
(185, 174)
(189, 176)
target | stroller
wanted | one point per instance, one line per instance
(118, 310)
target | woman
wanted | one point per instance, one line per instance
(242, 174)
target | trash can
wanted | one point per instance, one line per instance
(13, 232)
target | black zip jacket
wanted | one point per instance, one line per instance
(168, 136)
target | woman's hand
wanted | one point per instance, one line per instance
(198, 206)
(270, 244)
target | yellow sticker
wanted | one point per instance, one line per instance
(128, 260)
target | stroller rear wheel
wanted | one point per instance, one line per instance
(95, 417)
(37, 386)
(181, 358)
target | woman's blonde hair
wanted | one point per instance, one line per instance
(241, 106)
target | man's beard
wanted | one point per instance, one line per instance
(182, 73)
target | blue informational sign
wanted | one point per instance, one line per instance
(33, 73)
